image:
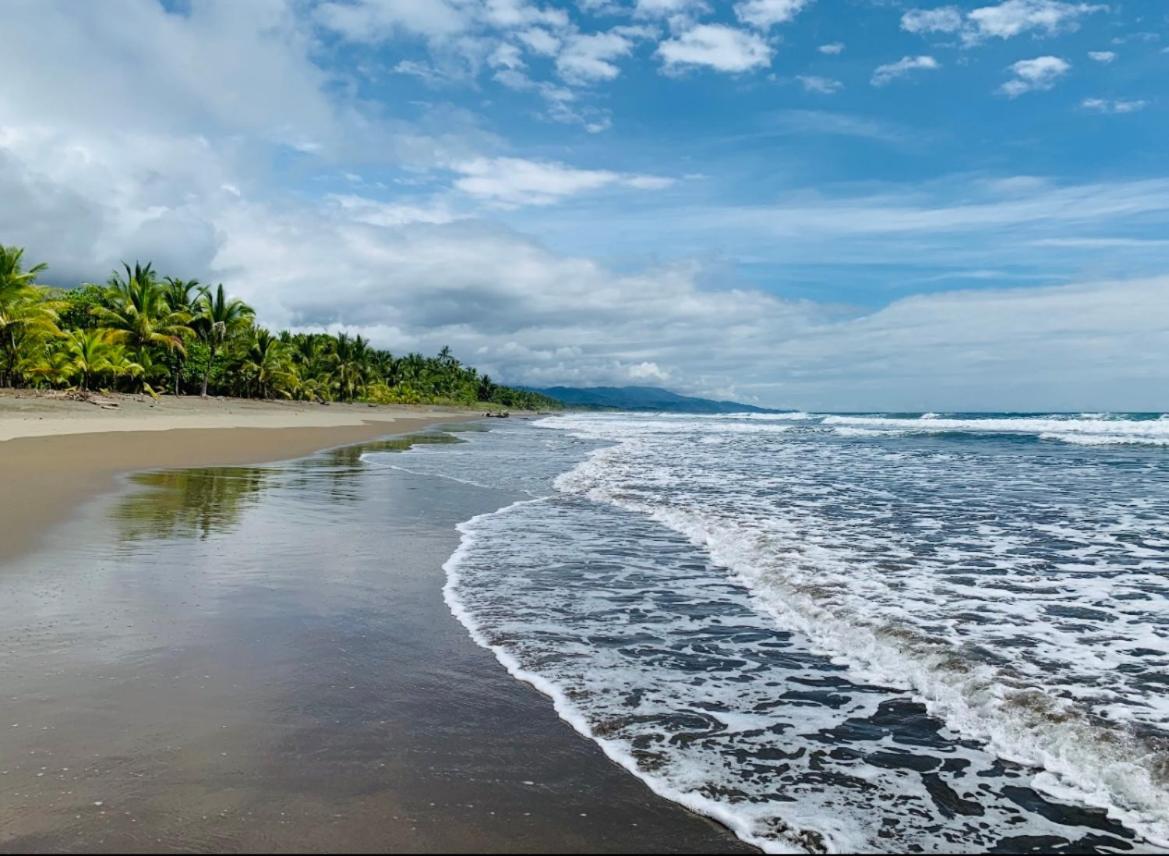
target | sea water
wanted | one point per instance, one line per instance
(875, 632)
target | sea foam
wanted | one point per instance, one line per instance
(758, 623)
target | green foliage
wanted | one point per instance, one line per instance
(78, 304)
(139, 331)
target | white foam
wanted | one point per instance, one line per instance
(821, 587)
(569, 712)
(1095, 430)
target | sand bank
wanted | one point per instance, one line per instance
(55, 453)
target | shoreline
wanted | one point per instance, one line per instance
(60, 454)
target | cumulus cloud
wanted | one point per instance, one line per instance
(715, 46)
(515, 181)
(768, 13)
(1014, 17)
(1102, 56)
(589, 58)
(539, 40)
(832, 48)
(1034, 75)
(945, 19)
(1003, 20)
(885, 74)
(373, 20)
(376, 20)
(669, 8)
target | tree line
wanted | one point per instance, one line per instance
(140, 332)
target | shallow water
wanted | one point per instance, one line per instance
(868, 632)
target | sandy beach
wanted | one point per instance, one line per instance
(56, 452)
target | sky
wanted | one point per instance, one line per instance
(820, 204)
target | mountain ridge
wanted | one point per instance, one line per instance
(646, 398)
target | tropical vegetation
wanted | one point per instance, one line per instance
(140, 332)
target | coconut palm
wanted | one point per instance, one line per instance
(121, 366)
(140, 317)
(350, 366)
(26, 315)
(217, 318)
(181, 296)
(88, 354)
(268, 366)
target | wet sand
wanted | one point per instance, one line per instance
(259, 658)
(55, 453)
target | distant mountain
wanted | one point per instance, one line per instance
(643, 398)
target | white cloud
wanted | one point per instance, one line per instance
(1106, 105)
(1002, 20)
(540, 41)
(647, 371)
(364, 210)
(1034, 75)
(768, 13)
(506, 56)
(669, 8)
(374, 20)
(944, 19)
(715, 46)
(515, 181)
(832, 48)
(1102, 56)
(820, 85)
(885, 74)
(421, 70)
(508, 14)
(589, 58)
(1014, 17)
(563, 104)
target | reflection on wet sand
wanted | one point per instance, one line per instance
(196, 503)
(187, 503)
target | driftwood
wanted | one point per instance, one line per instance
(91, 398)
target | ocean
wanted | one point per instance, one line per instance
(873, 632)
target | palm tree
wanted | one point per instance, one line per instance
(351, 365)
(88, 353)
(25, 314)
(268, 364)
(181, 296)
(217, 318)
(312, 357)
(120, 364)
(140, 317)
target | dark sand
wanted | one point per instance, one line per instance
(259, 658)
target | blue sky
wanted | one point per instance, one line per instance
(842, 204)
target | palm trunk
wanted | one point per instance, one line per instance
(207, 370)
